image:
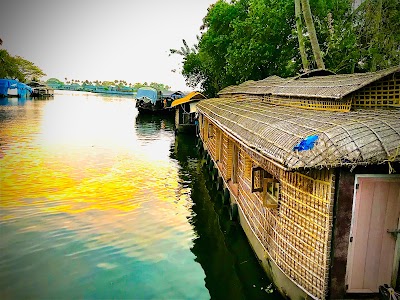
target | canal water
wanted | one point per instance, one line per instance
(99, 202)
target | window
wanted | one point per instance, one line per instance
(269, 187)
(257, 176)
(271, 193)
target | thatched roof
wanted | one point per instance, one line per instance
(352, 138)
(330, 86)
(261, 87)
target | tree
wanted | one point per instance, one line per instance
(305, 5)
(159, 86)
(185, 50)
(299, 27)
(378, 34)
(9, 67)
(54, 81)
(242, 40)
(28, 69)
(16, 67)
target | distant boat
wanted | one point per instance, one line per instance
(186, 112)
(151, 100)
(40, 89)
(14, 88)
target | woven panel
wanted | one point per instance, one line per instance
(303, 237)
(384, 93)
(204, 128)
(314, 104)
(297, 234)
(226, 158)
(211, 141)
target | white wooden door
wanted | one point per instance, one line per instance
(371, 258)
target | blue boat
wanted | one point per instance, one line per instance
(14, 88)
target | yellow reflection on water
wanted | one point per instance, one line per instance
(81, 155)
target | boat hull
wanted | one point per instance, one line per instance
(147, 110)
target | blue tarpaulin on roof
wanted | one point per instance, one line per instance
(6, 84)
(307, 143)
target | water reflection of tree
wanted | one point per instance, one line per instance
(231, 268)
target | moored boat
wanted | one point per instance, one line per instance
(14, 88)
(151, 100)
(40, 89)
(186, 112)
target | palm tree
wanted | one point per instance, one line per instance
(300, 37)
(305, 5)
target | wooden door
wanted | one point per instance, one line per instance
(372, 259)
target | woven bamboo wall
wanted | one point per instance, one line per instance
(226, 157)
(218, 144)
(211, 141)
(258, 217)
(243, 96)
(203, 128)
(296, 235)
(304, 229)
(309, 103)
(383, 93)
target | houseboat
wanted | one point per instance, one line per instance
(40, 89)
(14, 88)
(151, 100)
(172, 95)
(186, 112)
(310, 166)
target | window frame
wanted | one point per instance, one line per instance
(259, 178)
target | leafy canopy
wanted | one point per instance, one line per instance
(253, 39)
(16, 67)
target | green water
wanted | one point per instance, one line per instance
(98, 202)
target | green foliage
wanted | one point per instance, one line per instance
(159, 86)
(214, 45)
(378, 34)
(245, 39)
(253, 39)
(9, 67)
(16, 67)
(337, 39)
(185, 49)
(107, 83)
(263, 43)
(54, 81)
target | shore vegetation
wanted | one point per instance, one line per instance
(244, 40)
(17, 67)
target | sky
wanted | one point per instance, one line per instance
(103, 39)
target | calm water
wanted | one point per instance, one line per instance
(98, 202)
